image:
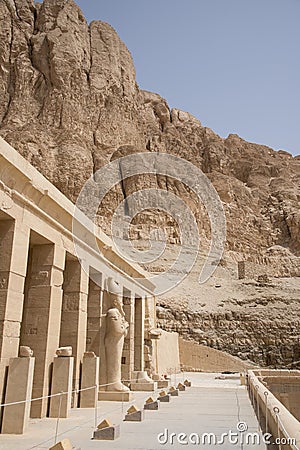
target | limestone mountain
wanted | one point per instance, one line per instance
(69, 103)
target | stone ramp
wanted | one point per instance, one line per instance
(209, 406)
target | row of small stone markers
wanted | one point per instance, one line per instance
(107, 431)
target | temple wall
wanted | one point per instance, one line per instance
(194, 356)
(167, 353)
(269, 267)
(286, 389)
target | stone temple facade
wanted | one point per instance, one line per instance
(49, 300)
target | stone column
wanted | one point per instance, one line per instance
(74, 314)
(42, 316)
(14, 245)
(19, 387)
(94, 311)
(150, 323)
(139, 332)
(90, 377)
(128, 349)
(150, 313)
(61, 382)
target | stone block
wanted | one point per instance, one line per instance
(19, 254)
(132, 409)
(137, 416)
(89, 355)
(155, 377)
(161, 384)
(164, 398)
(153, 406)
(61, 382)
(65, 444)
(64, 351)
(114, 396)
(15, 281)
(187, 383)
(11, 304)
(143, 387)
(89, 378)
(104, 424)
(40, 296)
(25, 352)
(9, 346)
(11, 329)
(107, 433)
(173, 392)
(19, 387)
(57, 277)
(181, 387)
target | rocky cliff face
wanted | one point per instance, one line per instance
(257, 320)
(69, 103)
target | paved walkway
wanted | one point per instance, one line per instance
(209, 406)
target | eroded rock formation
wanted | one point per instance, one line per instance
(69, 103)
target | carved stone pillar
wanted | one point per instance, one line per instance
(42, 316)
(128, 349)
(74, 314)
(94, 309)
(14, 245)
(139, 333)
(19, 388)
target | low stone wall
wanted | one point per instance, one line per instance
(280, 422)
(273, 267)
(167, 353)
(198, 357)
(286, 388)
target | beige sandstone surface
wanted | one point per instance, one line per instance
(255, 320)
(69, 103)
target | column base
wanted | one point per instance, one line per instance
(161, 384)
(114, 396)
(143, 386)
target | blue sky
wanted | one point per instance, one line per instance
(234, 64)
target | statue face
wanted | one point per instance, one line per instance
(115, 323)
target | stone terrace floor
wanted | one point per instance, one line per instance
(209, 406)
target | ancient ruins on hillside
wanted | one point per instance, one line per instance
(70, 104)
(81, 324)
(48, 300)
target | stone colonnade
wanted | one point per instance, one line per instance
(50, 299)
